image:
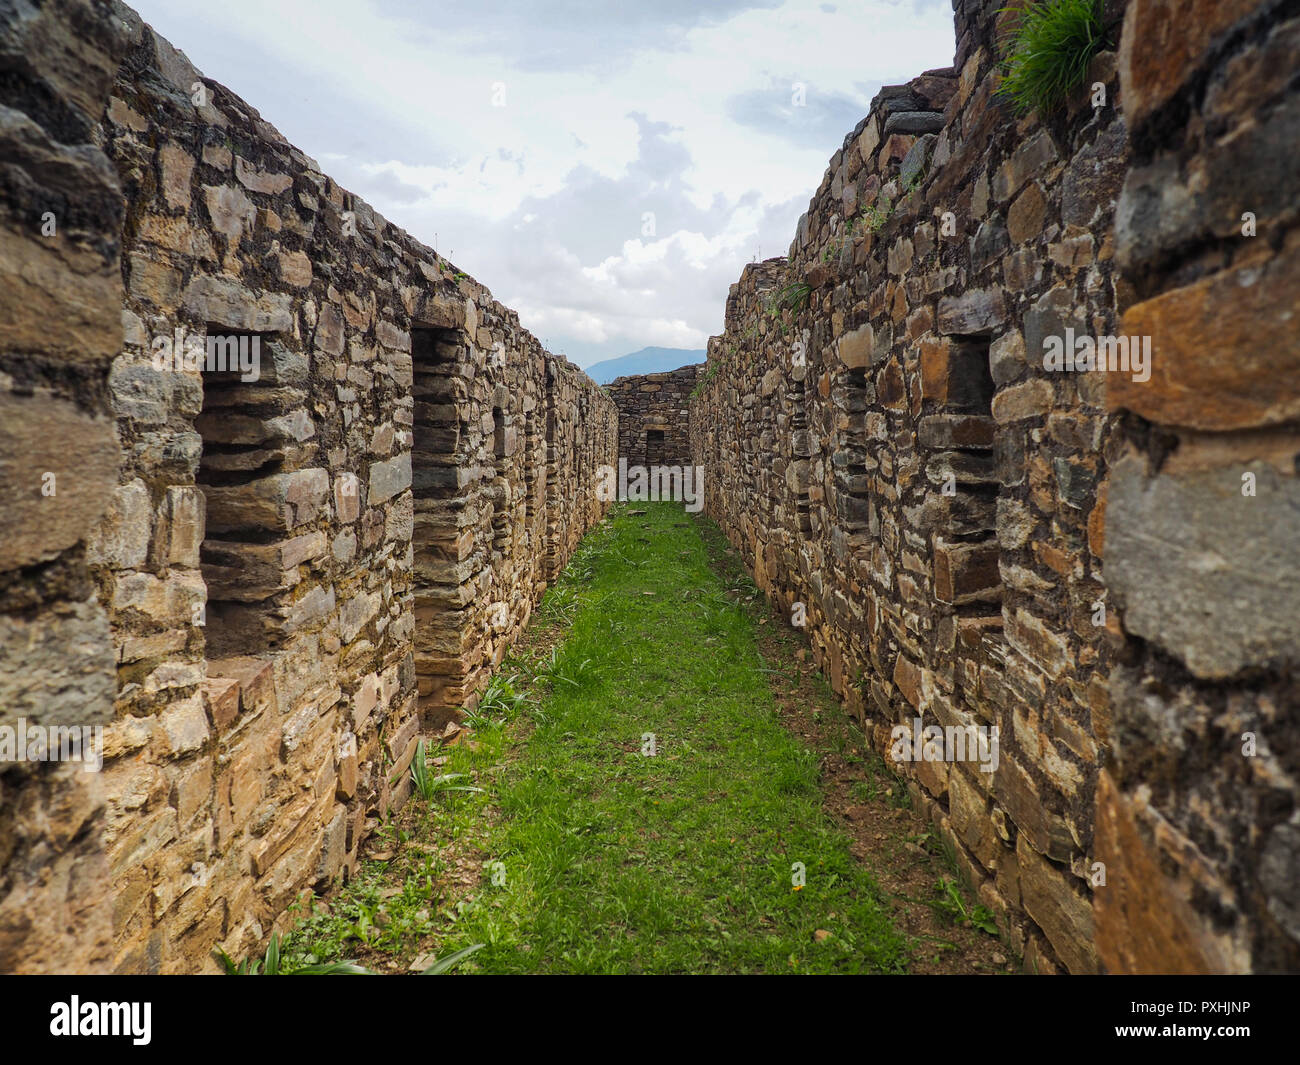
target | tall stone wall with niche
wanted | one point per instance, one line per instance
(654, 416)
(265, 586)
(977, 540)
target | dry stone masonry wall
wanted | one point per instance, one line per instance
(975, 539)
(263, 581)
(1202, 529)
(654, 417)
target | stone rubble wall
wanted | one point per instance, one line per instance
(884, 445)
(265, 589)
(655, 403)
(1204, 839)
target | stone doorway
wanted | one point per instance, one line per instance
(655, 449)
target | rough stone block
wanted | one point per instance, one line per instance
(1058, 907)
(1162, 44)
(973, 312)
(58, 468)
(1206, 573)
(966, 573)
(1219, 349)
(389, 477)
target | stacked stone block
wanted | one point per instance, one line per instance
(1202, 534)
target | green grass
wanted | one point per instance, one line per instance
(612, 861)
(1048, 53)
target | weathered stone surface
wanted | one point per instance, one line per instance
(57, 669)
(1007, 357)
(1058, 908)
(121, 539)
(1144, 922)
(989, 242)
(1279, 868)
(389, 477)
(1094, 176)
(1167, 207)
(1029, 160)
(58, 467)
(184, 728)
(225, 302)
(68, 287)
(1219, 347)
(965, 573)
(1207, 574)
(355, 612)
(917, 157)
(1032, 399)
(956, 431)
(255, 179)
(976, 311)
(914, 122)
(177, 166)
(1162, 43)
(1025, 219)
(1052, 313)
(233, 214)
(856, 348)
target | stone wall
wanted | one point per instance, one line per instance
(60, 330)
(1198, 809)
(263, 583)
(264, 589)
(654, 416)
(883, 442)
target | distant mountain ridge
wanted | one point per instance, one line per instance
(647, 360)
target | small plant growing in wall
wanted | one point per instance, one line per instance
(875, 215)
(1046, 55)
(844, 238)
(793, 297)
(456, 275)
(706, 379)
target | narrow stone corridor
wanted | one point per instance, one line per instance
(667, 786)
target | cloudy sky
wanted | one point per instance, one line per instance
(604, 168)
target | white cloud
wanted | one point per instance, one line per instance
(682, 109)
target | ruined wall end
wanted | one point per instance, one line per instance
(654, 416)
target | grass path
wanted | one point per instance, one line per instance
(585, 852)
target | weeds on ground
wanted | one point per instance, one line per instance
(428, 785)
(951, 904)
(273, 963)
